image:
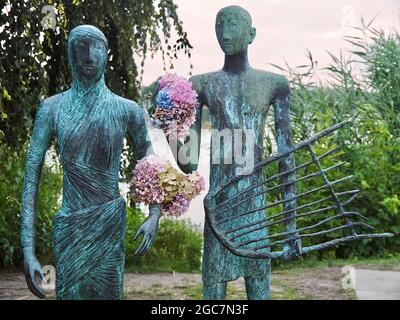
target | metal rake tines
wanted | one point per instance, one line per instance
(244, 227)
(272, 205)
(245, 192)
(282, 155)
(320, 223)
(297, 235)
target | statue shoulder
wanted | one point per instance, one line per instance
(201, 81)
(131, 108)
(281, 85)
(278, 83)
(276, 79)
(50, 105)
(197, 82)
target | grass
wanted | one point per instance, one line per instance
(195, 292)
(286, 290)
(306, 279)
(348, 293)
(389, 263)
(162, 267)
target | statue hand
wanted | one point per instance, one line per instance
(296, 247)
(293, 249)
(33, 267)
(149, 230)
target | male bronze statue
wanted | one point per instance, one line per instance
(89, 123)
(238, 98)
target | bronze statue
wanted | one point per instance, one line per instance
(89, 123)
(238, 98)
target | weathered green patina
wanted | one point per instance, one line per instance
(238, 98)
(237, 238)
(89, 123)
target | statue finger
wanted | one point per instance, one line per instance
(39, 270)
(29, 282)
(42, 275)
(151, 241)
(139, 251)
(147, 244)
(36, 290)
(143, 246)
(138, 233)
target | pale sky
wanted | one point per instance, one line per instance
(285, 30)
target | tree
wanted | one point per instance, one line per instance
(33, 59)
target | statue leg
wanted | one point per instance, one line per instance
(216, 291)
(258, 287)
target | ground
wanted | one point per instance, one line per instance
(313, 284)
(285, 285)
(376, 279)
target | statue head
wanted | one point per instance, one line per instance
(87, 51)
(234, 29)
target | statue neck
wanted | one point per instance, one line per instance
(237, 63)
(83, 87)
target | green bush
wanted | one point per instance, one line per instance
(370, 144)
(177, 247)
(12, 164)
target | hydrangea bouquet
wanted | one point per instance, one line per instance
(155, 181)
(175, 106)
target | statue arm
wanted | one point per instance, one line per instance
(284, 141)
(40, 142)
(193, 141)
(138, 132)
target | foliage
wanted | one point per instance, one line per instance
(379, 53)
(364, 88)
(177, 247)
(11, 183)
(34, 64)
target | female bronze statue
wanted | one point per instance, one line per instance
(89, 123)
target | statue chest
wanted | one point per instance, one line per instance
(235, 104)
(92, 134)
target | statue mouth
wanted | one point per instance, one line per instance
(228, 46)
(88, 68)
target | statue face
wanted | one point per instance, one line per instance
(234, 33)
(90, 56)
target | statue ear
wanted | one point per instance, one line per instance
(253, 33)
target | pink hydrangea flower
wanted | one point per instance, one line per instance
(179, 115)
(177, 207)
(197, 181)
(145, 182)
(155, 181)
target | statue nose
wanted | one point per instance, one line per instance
(89, 55)
(226, 37)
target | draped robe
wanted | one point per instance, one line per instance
(89, 124)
